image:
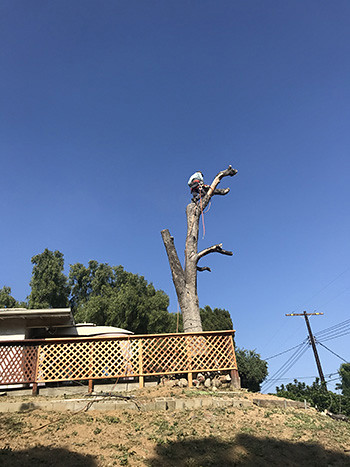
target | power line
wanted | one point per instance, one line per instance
(295, 377)
(336, 296)
(334, 328)
(331, 374)
(327, 376)
(335, 336)
(341, 358)
(333, 332)
(334, 379)
(287, 368)
(318, 292)
(285, 351)
(297, 357)
(277, 373)
(327, 285)
(287, 365)
(312, 341)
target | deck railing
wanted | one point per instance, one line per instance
(93, 358)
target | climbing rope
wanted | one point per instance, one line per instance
(177, 320)
(200, 197)
(207, 210)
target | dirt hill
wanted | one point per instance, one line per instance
(211, 435)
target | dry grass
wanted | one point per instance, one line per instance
(204, 437)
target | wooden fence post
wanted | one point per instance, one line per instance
(235, 379)
(91, 363)
(141, 377)
(91, 386)
(189, 361)
(36, 371)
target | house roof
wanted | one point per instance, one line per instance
(59, 320)
(51, 315)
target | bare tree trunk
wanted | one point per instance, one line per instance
(185, 279)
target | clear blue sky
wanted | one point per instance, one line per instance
(108, 107)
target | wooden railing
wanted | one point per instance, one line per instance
(93, 358)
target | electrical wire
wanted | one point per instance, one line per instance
(333, 379)
(285, 339)
(285, 351)
(336, 296)
(341, 358)
(287, 368)
(321, 290)
(295, 377)
(308, 377)
(326, 286)
(335, 336)
(287, 365)
(333, 328)
(331, 374)
(333, 332)
(336, 331)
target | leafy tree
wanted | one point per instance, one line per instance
(317, 395)
(88, 282)
(215, 320)
(6, 300)
(48, 283)
(344, 373)
(252, 369)
(111, 296)
(212, 320)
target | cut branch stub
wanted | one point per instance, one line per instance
(213, 249)
(205, 268)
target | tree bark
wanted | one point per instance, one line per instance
(185, 279)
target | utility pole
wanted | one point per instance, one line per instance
(312, 341)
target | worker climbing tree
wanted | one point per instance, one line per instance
(199, 189)
(185, 279)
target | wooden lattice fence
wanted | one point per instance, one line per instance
(78, 359)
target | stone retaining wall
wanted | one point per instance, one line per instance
(160, 403)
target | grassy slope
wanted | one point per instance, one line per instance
(204, 437)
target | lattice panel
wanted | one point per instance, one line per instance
(164, 355)
(63, 361)
(85, 360)
(211, 352)
(177, 354)
(93, 359)
(115, 358)
(17, 364)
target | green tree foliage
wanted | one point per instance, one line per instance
(212, 320)
(317, 395)
(108, 295)
(252, 369)
(215, 320)
(48, 283)
(6, 300)
(344, 385)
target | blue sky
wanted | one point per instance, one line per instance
(108, 107)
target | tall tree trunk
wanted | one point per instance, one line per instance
(185, 279)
